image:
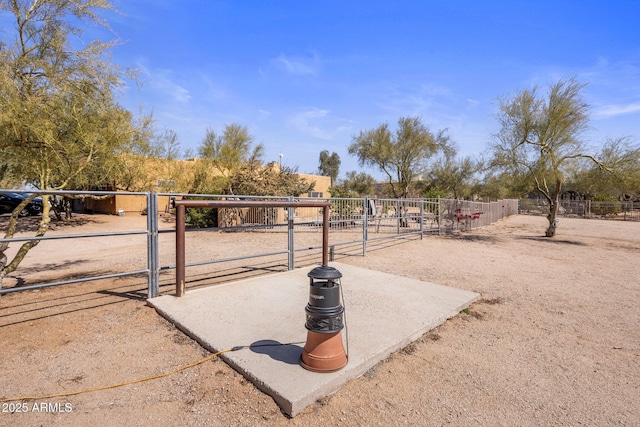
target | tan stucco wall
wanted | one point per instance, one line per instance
(126, 202)
(132, 203)
(322, 186)
(322, 183)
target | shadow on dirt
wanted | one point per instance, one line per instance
(82, 297)
(551, 240)
(133, 294)
(52, 267)
(482, 238)
(337, 252)
(24, 224)
(30, 224)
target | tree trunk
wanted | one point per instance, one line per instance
(9, 233)
(553, 223)
(3, 262)
(67, 208)
(10, 267)
(553, 210)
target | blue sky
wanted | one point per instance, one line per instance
(306, 76)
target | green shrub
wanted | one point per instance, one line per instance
(604, 204)
(202, 217)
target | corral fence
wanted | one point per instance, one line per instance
(614, 210)
(353, 222)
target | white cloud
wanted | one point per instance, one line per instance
(304, 121)
(472, 103)
(171, 89)
(212, 90)
(614, 110)
(298, 66)
(421, 101)
(164, 84)
(180, 94)
(319, 123)
(613, 88)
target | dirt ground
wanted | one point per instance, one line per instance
(554, 340)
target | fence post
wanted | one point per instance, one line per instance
(439, 216)
(365, 225)
(152, 245)
(290, 237)
(421, 218)
(180, 250)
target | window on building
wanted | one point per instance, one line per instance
(166, 184)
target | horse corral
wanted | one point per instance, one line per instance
(552, 340)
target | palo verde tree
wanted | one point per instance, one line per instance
(451, 175)
(145, 149)
(504, 185)
(399, 154)
(60, 126)
(540, 136)
(231, 164)
(232, 147)
(621, 178)
(169, 151)
(355, 184)
(222, 155)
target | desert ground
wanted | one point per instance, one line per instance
(553, 341)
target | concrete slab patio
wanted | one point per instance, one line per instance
(265, 316)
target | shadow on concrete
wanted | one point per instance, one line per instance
(288, 353)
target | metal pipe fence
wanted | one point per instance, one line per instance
(614, 210)
(151, 232)
(182, 205)
(353, 223)
(464, 215)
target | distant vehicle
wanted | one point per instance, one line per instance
(9, 201)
